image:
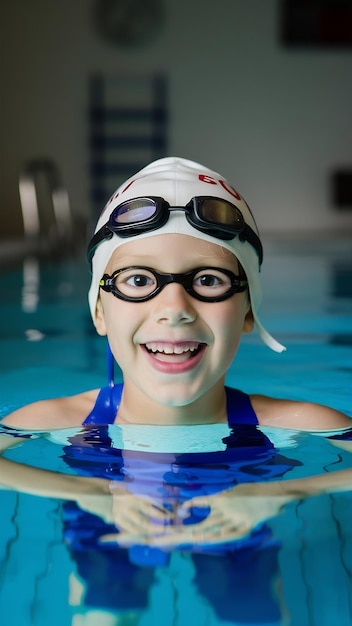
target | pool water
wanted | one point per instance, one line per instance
(299, 571)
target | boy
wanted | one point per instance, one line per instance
(175, 259)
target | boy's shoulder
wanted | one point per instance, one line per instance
(297, 415)
(63, 412)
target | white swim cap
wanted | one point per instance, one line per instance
(177, 181)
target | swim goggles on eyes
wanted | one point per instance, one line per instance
(138, 284)
(214, 216)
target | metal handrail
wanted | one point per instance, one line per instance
(32, 213)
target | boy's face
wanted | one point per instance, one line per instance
(173, 349)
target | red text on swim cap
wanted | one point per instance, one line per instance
(204, 178)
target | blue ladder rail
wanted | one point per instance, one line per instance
(124, 138)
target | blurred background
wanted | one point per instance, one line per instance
(260, 90)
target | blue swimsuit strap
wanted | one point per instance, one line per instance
(239, 407)
(106, 405)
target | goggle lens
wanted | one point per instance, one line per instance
(134, 211)
(220, 212)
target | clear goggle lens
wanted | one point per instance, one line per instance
(208, 284)
(134, 211)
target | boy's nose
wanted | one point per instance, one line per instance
(173, 305)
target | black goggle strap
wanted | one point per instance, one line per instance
(102, 234)
(249, 235)
(242, 286)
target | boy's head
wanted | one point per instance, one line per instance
(209, 209)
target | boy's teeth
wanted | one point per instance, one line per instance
(167, 348)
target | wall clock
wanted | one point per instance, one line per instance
(128, 23)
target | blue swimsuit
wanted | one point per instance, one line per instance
(239, 407)
(171, 479)
(246, 454)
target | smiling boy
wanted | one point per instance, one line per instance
(175, 259)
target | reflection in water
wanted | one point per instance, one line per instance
(31, 284)
(151, 534)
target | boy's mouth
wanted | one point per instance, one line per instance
(174, 352)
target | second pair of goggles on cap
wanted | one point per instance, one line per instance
(208, 214)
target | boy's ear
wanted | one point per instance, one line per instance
(248, 323)
(99, 321)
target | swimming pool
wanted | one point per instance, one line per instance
(301, 578)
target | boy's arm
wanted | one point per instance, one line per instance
(344, 444)
(91, 494)
(42, 482)
(235, 512)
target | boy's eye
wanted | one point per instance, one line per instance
(139, 280)
(208, 280)
(209, 283)
(128, 281)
